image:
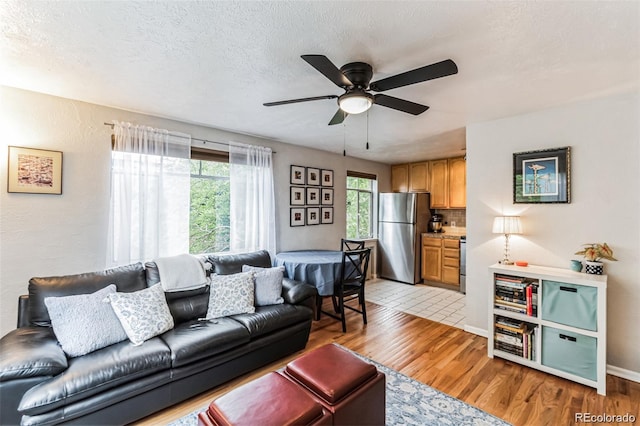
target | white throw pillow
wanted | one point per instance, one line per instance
(143, 314)
(231, 295)
(84, 323)
(267, 284)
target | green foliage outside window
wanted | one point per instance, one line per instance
(210, 205)
(359, 207)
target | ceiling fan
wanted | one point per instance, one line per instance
(355, 79)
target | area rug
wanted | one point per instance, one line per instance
(409, 402)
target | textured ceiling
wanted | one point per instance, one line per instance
(215, 63)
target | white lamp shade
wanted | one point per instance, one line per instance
(355, 103)
(507, 225)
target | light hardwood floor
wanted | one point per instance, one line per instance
(455, 362)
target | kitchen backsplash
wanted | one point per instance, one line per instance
(459, 216)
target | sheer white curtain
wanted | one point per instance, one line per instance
(253, 224)
(150, 193)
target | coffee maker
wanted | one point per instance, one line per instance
(435, 223)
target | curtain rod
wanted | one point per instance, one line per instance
(193, 139)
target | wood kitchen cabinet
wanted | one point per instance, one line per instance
(441, 260)
(419, 177)
(431, 259)
(457, 175)
(439, 183)
(400, 178)
(451, 261)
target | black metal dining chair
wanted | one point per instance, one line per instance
(353, 275)
(346, 244)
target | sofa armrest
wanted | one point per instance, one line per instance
(298, 292)
(30, 352)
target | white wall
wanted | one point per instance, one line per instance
(605, 206)
(42, 235)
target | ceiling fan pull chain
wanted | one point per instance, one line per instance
(344, 140)
(367, 130)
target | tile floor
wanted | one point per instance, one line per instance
(436, 304)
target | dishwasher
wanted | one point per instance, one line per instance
(463, 265)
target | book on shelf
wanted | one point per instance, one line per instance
(516, 294)
(515, 337)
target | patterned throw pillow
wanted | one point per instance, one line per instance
(267, 284)
(231, 295)
(143, 314)
(84, 323)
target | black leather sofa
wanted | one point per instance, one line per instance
(123, 383)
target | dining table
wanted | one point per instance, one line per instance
(321, 268)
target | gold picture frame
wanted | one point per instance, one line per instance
(34, 171)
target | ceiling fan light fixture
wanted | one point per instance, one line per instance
(355, 102)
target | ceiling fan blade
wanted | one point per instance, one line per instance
(429, 72)
(293, 101)
(326, 68)
(338, 117)
(400, 104)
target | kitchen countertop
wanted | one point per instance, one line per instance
(452, 232)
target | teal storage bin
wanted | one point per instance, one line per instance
(569, 352)
(570, 304)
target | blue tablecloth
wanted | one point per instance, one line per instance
(318, 267)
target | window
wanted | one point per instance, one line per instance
(209, 221)
(360, 195)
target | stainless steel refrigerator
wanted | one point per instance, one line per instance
(402, 218)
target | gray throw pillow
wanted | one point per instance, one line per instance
(267, 284)
(143, 314)
(84, 323)
(230, 295)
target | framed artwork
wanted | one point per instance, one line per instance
(326, 177)
(297, 216)
(297, 196)
(34, 171)
(542, 176)
(313, 176)
(297, 175)
(326, 197)
(313, 196)
(327, 214)
(313, 215)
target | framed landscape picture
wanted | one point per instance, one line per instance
(313, 196)
(327, 214)
(297, 216)
(297, 196)
(326, 177)
(542, 176)
(34, 171)
(313, 176)
(313, 215)
(297, 175)
(327, 197)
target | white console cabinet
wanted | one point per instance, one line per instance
(550, 319)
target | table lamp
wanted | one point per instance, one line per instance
(507, 225)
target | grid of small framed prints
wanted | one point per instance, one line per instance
(311, 196)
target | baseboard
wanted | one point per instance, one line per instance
(634, 376)
(475, 330)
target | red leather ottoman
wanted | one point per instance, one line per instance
(352, 389)
(270, 400)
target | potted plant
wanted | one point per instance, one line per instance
(593, 254)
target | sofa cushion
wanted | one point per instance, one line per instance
(188, 305)
(274, 317)
(195, 340)
(267, 284)
(232, 263)
(30, 352)
(126, 278)
(97, 372)
(143, 314)
(230, 295)
(84, 323)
